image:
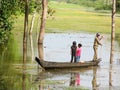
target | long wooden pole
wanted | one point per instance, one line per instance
(112, 30)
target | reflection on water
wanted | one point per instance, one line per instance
(16, 75)
(24, 77)
(110, 78)
(75, 79)
(72, 79)
(94, 81)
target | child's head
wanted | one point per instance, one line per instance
(74, 42)
(79, 45)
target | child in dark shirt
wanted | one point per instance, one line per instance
(73, 52)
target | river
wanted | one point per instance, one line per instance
(16, 75)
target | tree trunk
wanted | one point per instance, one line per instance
(41, 51)
(43, 22)
(32, 22)
(110, 76)
(38, 23)
(112, 30)
(31, 46)
(25, 32)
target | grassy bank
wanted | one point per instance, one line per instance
(74, 18)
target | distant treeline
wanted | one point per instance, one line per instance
(97, 4)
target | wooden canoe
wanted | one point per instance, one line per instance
(60, 65)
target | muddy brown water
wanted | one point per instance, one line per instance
(57, 48)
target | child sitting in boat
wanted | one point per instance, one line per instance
(78, 52)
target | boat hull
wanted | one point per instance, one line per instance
(60, 65)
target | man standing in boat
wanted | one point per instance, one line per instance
(97, 39)
(73, 51)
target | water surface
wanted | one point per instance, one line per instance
(16, 75)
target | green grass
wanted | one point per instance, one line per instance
(75, 18)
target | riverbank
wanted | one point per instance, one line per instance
(72, 18)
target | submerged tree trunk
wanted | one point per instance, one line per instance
(43, 22)
(112, 30)
(41, 51)
(110, 76)
(25, 32)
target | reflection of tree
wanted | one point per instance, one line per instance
(41, 87)
(110, 76)
(8, 53)
(24, 77)
(94, 82)
(2, 54)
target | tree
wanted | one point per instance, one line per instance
(35, 6)
(112, 30)
(43, 22)
(32, 23)
(42, 26)
(8, 10)
(25, 31)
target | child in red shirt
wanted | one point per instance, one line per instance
(78, 52)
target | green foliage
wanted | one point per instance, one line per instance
(102, 5)
(7, 9)
(118, 5)
(32, 6)
(97, 4)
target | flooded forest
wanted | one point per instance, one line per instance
(46, 29)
